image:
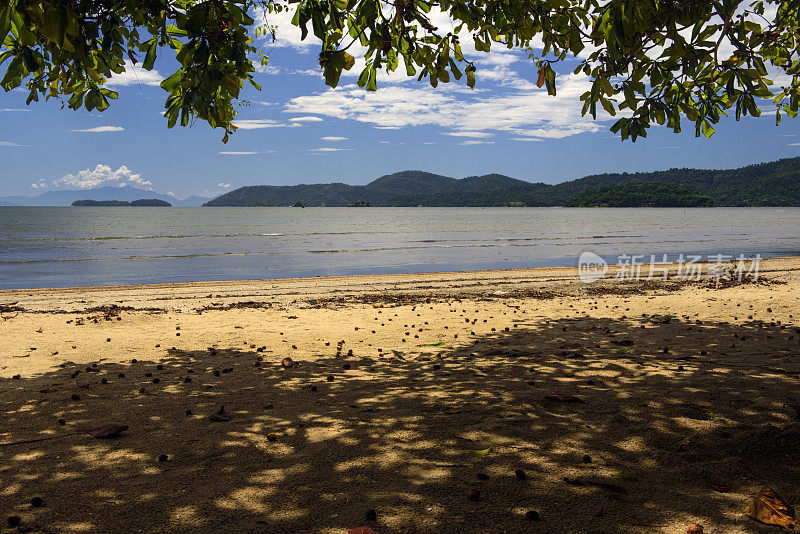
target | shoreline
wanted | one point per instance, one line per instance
(546, 274)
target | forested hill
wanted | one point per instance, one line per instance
(766, 184)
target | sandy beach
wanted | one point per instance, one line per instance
(620, 406)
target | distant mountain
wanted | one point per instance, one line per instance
(66, 197)
(765, 184)
(142, 202)
(193, 201)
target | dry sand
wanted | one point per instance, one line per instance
(681, 387)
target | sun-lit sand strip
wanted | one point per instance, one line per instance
(623, 403)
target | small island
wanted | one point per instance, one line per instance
(144, 202)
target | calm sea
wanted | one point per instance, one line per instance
(58, 247)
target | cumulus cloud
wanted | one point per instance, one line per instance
(102, 175)
(41, 184)
(223, 185)
(334, 138)
(133, 75)
(100, 129)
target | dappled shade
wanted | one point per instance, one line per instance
(657, 435)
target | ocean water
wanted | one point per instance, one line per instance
(66, 246)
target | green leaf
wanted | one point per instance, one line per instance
(5, 17)
(708, 130)
(150, 57)
(173, 81)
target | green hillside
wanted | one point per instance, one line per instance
(640, 194)
(765, 184)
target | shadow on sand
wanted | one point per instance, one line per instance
(653, 416)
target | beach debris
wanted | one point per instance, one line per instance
(694, 528)
(478, 449)
(770, 508)
(474, 494)
(221, 416)
(532, 515)
(288, 363)
(107, 431)
(622, 342)
(562, 397)
(720, 488)
(361, 530)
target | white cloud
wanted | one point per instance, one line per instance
(476, 143)
(497, 59)
(518, 106)
(100, 129)
(274, 70)
(470, 134)
(334, 138)
(306, 119)
(10, 144)
(287, 34)
(13, 109)
(134, 75)
(236, 153)
(41, 184)
(102, 175)
(328, 149)
(258, 124)
(526, 139)
(223, 185)
(794, 144)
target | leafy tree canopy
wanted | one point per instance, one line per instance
(655, 61)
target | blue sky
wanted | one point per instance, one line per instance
(297, 130)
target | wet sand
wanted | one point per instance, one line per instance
(624, 403)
